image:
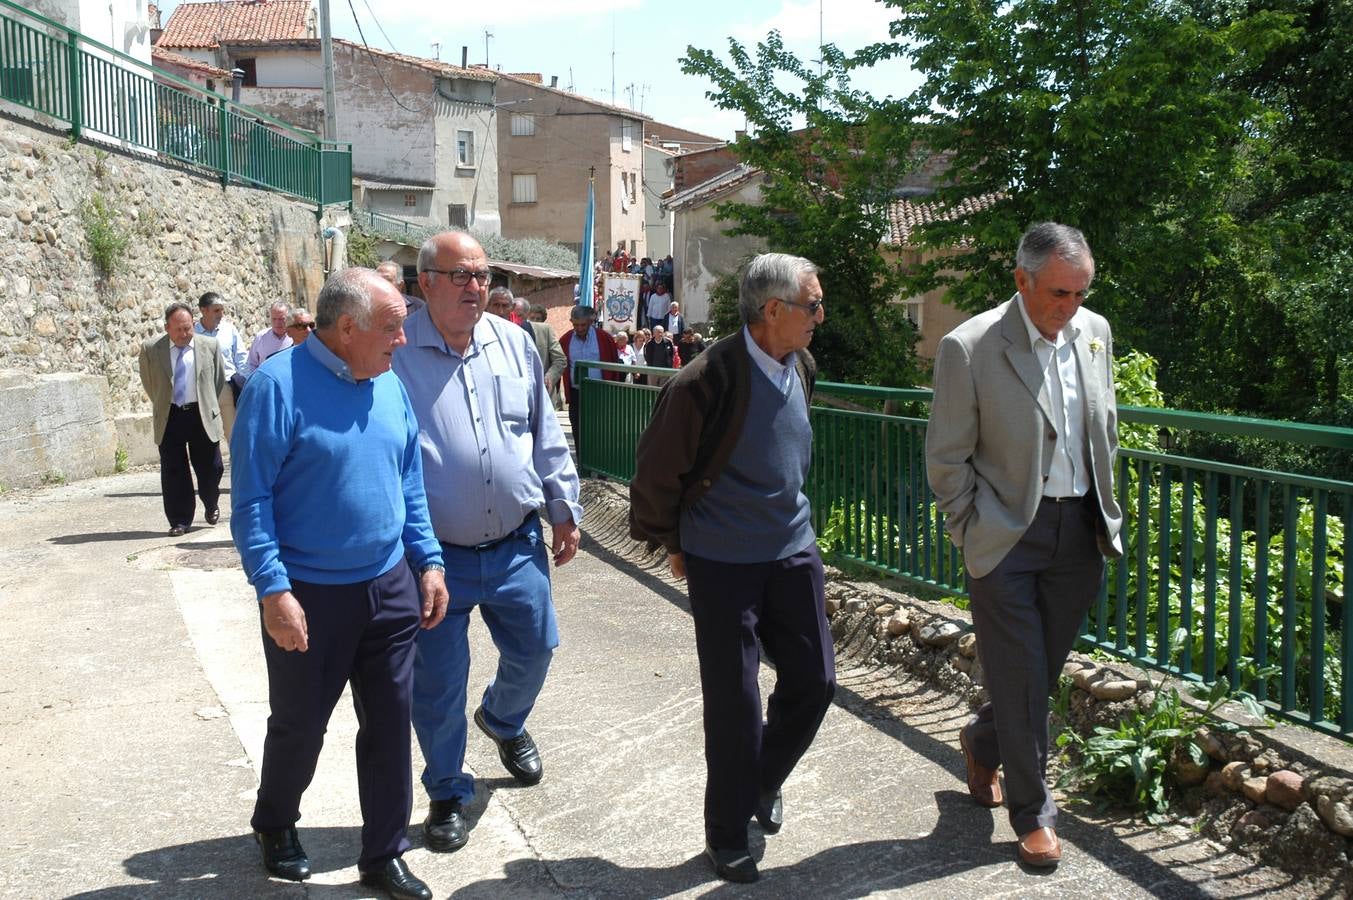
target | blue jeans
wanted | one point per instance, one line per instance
(510, 583)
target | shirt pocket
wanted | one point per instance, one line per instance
(514, 402)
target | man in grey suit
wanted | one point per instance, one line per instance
(183, 374)
(1020, 454)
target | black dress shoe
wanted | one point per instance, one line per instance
(733, 865)
(396, 880)
(770, 812)
(178, 530)
(519, 754)
(444, 828)
(283, 854)
(213, 515)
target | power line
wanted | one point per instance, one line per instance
(380, 27)
(379, 73)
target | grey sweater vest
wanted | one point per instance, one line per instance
(756, 510)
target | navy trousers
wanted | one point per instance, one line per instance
(733, 604)
(185, 439)
(1027, 613)
(361, 633)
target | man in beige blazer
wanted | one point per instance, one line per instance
(1020, 454)
(184, 374)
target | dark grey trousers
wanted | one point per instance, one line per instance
(1027, 613)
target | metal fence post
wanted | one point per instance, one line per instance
(223, 137)
(73, 83)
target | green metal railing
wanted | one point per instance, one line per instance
(1250, 563)
(393, 224)
(108, 96)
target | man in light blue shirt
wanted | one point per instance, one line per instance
(212, 323)
(494, 458)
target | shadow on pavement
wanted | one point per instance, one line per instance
(230, 867)
(97, 536)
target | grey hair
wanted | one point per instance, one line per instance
(286, 309)
(580, 312)
(175, 307)
(1044, 239)
(522, 307)
(347, 292)
(427, 254)
(768, 277)
(499, 291)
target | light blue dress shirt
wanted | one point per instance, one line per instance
(233, 352)
(493, 451)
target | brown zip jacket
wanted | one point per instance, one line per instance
(695, 425)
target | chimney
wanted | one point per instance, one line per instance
(554, 81)
(464, 57)
(738, 134)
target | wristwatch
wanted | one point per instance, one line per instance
(430, 566)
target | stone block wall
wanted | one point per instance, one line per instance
(54, 427)
(185, 235)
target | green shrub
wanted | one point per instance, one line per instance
(107, 238)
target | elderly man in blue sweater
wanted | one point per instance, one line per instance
(328, 504)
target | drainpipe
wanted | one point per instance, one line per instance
(236, 79)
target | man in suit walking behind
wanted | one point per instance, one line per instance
(1020, 454)
(183, 374)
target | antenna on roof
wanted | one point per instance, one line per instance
(487, 34)
(437, 50)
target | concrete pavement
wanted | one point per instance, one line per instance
(133, 701)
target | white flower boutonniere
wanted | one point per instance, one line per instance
(1096, 347)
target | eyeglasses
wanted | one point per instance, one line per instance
(308, 326)
(812, 306)
(461, 277)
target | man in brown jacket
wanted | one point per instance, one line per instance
(719, 484)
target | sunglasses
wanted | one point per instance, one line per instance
(308, 326)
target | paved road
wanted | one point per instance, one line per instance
(133, 700)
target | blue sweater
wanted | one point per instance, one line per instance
(326, 475)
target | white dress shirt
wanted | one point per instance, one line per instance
(1069, 475)
(185, 390)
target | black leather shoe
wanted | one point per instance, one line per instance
(444, 828)
(733, 865)
(519, 754)
(178, 530)
(283, 854)
(770, 812)
(213, 515)
(396, 880)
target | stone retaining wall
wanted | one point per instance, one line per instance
(185, 235)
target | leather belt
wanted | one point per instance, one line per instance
(1070, 499)
(184, 406)
(489, 545)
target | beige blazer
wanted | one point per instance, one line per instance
(990, 439)
(157, 377)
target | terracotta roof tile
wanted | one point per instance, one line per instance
(205, 25)
(528, 80)
(432, 65)
(166, 59)
(906, 215)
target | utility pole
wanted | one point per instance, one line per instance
(326, 45)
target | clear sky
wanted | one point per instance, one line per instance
(573, 39)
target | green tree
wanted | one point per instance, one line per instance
(825, 196)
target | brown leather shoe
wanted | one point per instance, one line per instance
(983, 784)
(1040, 848)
